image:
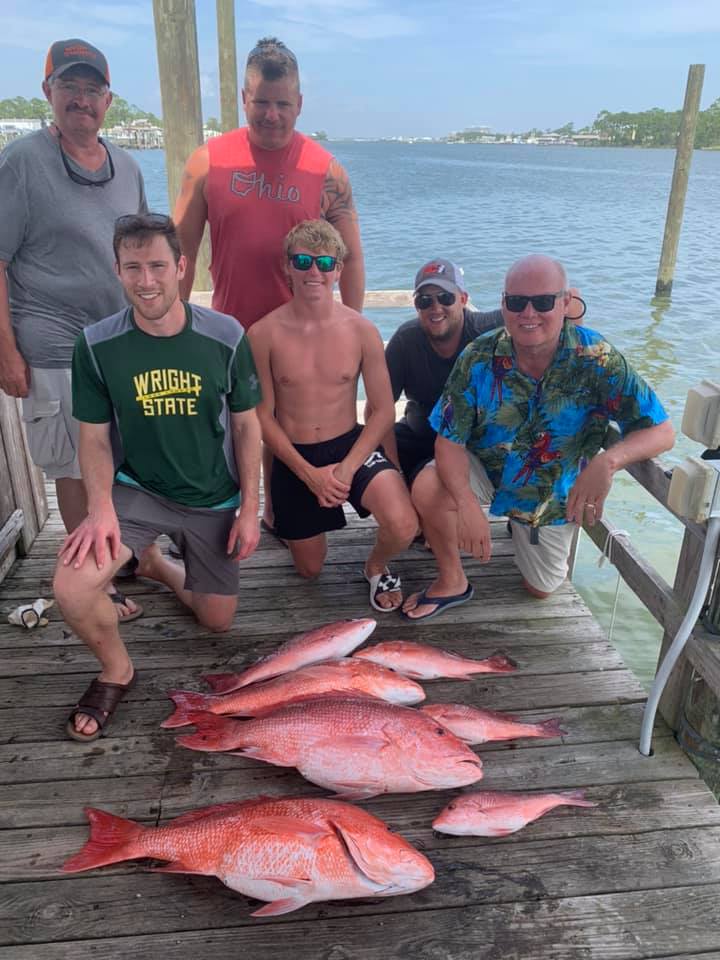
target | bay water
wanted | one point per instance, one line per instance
(601, 211)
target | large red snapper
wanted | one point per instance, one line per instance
(358, 747)
(288, 851)
(423, 662)
(334, 676)
(478, 726)
(330, 642)
(489, 814)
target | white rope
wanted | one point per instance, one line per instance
(606, 554)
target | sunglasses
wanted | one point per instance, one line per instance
(542, 302)
(85, 181)
(424, 301)
(303, 261)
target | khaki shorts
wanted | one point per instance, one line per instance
(543, 565)
(52, 433)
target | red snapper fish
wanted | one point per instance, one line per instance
(334, 676)
(288, 851)
(422, 662)
(330, 642)
(488, 814)
(478, 726)
(358, 747)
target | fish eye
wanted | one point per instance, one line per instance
(439, 731)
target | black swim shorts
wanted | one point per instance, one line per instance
(298, 515)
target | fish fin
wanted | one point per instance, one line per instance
(222, 682)
(211, 732)
(576, 798)
(355, 742)
(186, 702)
(111, 840)
(177, 866)
(217, 808)
(293, 827)
(500, 663)
(287, 881)
(277, 907)
(354, 791)
(261, 753)
(551, 727)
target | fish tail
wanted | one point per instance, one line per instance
(212, 733)
(221, 682)
(551, 728)
(576, 798)
(186, 702)
(501, 663)
(112, 839)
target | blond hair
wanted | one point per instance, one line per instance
(316, 236)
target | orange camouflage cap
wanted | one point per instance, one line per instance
(64, 54)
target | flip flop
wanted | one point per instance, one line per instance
(381, 583)
(264, 525)
(99, 701)
(443, 603)
(120, 599)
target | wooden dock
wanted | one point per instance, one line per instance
(636, 877)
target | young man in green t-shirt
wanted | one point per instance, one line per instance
(179, 383)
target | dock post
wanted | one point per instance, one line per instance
(678, 190)
(227, 64)
(177, 52)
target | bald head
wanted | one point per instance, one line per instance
(537, 268)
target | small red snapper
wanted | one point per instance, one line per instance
(358, 747)
(330, 642)
(423, 662)
(478, 726)
(489, 814)
(288, 851)
(334, 676)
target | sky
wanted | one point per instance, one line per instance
(373, 68)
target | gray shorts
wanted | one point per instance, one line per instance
(200, 534)
(52, 433)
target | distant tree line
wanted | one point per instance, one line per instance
(20, 108)
(649, 128)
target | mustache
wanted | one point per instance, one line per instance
(86, 110)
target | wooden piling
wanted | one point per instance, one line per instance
(678, 190)
(177, 51)
(227, 64)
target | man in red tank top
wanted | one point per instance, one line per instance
(253, 185)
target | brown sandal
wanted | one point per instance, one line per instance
(99, 701)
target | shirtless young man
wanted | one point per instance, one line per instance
(309, 355)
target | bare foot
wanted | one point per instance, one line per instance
(415, 610)
(387, 599)
(126, 607)
(87, 725)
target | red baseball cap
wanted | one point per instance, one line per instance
(64, 54)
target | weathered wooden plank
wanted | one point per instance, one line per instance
(10, 531)
(585, 866)
(196, 779)
(494, 691)
(199, 658)
(19, 467)
(585, 724)
(613, 926)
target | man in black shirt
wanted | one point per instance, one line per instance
(421, 353)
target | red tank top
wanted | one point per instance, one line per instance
(254, 198)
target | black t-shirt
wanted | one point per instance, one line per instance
(416, 368)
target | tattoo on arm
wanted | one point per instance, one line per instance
(337, 199)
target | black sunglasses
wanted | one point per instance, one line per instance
(542, 302)
(424, 301)
(85, 181)
(303, 261)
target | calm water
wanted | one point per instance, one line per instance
(600, 211)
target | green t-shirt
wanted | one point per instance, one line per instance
(171, 399)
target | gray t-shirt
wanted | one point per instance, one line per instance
(56, 236)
